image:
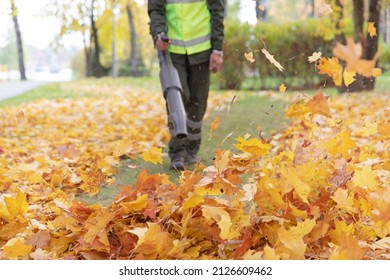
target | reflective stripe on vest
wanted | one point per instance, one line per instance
(189, 26)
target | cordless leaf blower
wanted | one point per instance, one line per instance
(171, 86)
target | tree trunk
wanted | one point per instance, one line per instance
(135, 59)
(370, 45)
(97, 68)
(261, 14)
(19, 42)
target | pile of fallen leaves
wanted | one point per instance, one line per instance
(318, 190)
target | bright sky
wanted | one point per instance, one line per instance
(39, 31)
(36, 30)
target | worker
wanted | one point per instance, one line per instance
(195, 30)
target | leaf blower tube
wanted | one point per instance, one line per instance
(171, 86)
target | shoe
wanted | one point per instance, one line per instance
(191, 158)
(177, 163)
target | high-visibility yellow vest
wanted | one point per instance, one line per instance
(189, 26)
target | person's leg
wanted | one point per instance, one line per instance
(199, 84)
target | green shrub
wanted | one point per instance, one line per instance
(291, 44)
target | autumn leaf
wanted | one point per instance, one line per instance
(16, 206)
(214, 126)
(315, 56)
(332, 68)
(222, 218)
(344, 200)
(351, 53)
(349, 77)
(249, 57)
(341, 144)
(261, 7)
(16, 248)
(253, 146)
(292, 238)
(153, 155)
(365, 178)
(325, 9)
(319, 104)
(272, 59)
(371, 29)
(282, 88)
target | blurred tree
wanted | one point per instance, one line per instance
(81, 16)
(369, 43)
(136, 63)
(261, 10)
(19, 43)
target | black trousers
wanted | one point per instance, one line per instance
(195, 81)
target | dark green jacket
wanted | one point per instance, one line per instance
(156, 11)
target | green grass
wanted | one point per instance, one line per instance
(81, 88)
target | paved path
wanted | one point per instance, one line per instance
(10, 89)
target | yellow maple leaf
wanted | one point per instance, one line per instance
(292, 177)
(332, 68)
(272, 59)
(214, 126)
(340, 144)
(319, 104)
(292, 238)
(253, 146)
(154, 242)
(153, 155)
(315, 56)
(269, 253)
(297, 109)
(349, 77)
(351, 53)
(344, 201)
(96, 227)
(136, 205)
(282, 88)
(365, 178)
(16, 206)
(371, 29)
(16, 248)
(249, 57)
(222, 218)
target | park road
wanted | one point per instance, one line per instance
(11, 89)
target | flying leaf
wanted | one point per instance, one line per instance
(371, 29)
(253, 146)
(272, 59)
(319, 104)
(315, 56)
(153, 155)
(349, 77)
(282, 88)
(351, 53)
(214, 126)
(325, 9)
(332, 68)
(249, 56)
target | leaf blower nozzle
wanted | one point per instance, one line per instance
(171, 86)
